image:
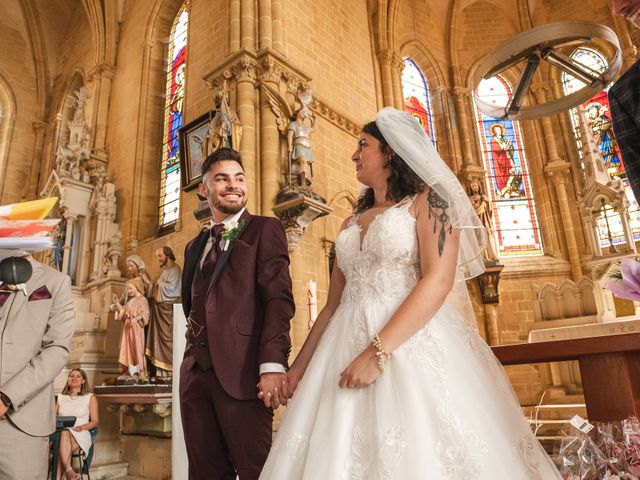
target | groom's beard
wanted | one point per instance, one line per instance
(229, 208)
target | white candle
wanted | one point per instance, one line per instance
(312, 302)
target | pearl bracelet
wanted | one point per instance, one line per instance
(381, 355)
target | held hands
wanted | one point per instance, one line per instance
(362, 372)
(273, 389)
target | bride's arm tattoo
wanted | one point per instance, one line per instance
(438, 208)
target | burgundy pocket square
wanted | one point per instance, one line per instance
(41, 293)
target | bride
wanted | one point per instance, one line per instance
(392, 382)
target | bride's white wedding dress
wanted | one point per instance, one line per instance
(442, 408)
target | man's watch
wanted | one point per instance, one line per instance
(6, 400)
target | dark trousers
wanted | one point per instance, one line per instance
(224, 436)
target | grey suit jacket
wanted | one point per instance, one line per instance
(35, 337)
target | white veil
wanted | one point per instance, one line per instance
(407, 138)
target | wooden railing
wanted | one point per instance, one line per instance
(609, 366)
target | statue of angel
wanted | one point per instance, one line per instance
(297, 127)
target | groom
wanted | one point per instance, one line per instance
(236, 292)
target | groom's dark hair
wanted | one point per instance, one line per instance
(402, 181)
(220, 155)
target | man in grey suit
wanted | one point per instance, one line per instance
(36, 326)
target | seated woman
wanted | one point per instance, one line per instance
(76, 401)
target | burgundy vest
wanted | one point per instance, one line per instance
(200, 349)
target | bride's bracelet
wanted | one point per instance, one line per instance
(381, 355)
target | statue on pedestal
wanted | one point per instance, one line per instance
(482, 206)
(166, 291)
(225, 129)
(297, 127)
(134, 316)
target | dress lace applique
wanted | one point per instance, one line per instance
(426, 350)
(297, 445)
(527, 455)
(374, 457)
(460, 450)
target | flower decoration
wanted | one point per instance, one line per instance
(627, 284)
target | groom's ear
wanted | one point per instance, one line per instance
(202, 192)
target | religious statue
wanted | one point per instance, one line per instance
(299, 145)
(81, 97)
(166, 291)
(137, 269)
(482, 206)
(225, 129)
(134, 316)
(297, 127)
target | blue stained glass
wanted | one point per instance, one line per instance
(173, 118)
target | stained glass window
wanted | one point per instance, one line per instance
(508, 183)
(416, 96)
(599, 120)
(173, 119)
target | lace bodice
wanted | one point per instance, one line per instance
(384, 263)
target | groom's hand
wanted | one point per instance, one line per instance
(271, 389)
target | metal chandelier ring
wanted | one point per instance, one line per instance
(539, 44)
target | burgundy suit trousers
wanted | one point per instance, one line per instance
(223, 435)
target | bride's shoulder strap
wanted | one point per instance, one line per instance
(349, 221)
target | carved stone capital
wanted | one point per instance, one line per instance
(244, 71)
(102, 70)
(558, 171)
(463, 92)
(473, 172)
(389, 57)
(275, 68)
(296, 211)
(39, 127)
(542, 92)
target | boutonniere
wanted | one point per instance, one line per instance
(231, 231)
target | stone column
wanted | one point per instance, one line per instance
(622, 210)
(102, 75)
(396, 77)
(234, 26)
(245, 75)
(492, 328)
(385, 59)
(247, 22)
(265, 27)
(278, 36)
(462, 97)
(270, 167)
(39, 130)
(558, 172)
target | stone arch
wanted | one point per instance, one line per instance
(8, 113)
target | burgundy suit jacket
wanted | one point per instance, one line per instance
(249, 303)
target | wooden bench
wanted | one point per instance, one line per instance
(609, 365)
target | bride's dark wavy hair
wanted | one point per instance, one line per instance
(402, 181)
